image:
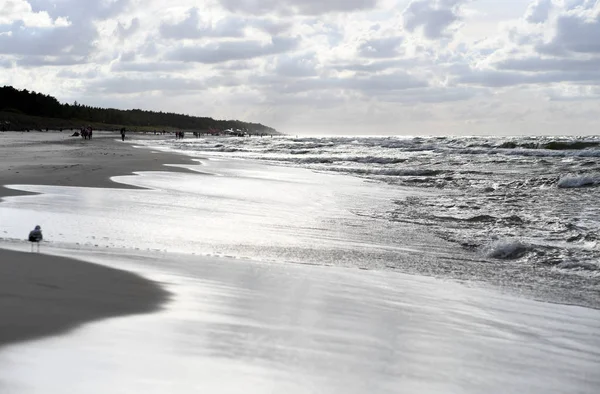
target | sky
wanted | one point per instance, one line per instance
(400, 67)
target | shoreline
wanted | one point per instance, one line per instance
(56, 159)
(44, 295)
(127, 156)
(267, 325)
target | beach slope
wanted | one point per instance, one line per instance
(45, 295)
(57, 159)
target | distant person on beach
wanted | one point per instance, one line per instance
(36, 236)
(123, 134)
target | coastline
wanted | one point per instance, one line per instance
(281, 327)
(44, 295)
(55, 158)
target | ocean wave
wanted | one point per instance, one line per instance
(324, 159)
(506, 249)
(528, 152)
(576, 181)
(578, 265)
(398, 172)
(570, 145)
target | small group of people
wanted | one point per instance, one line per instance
(179, 135)
(86, 133)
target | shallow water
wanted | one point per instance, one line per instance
(229, 208)
(529, 205)
(269, 326)
(239, 327)
(540, 191)
(245, 209)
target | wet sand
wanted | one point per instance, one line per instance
(44, 295)
(55, 158)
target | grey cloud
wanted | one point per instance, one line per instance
(123, 85)
(72, 43)
(555, 97)
(227, 80)
(591, 95)
(58, 41)
(149, 49)
(124, 66)
(434, 17)
(574, 33)
(539, 11)
(237, 65)
(128, 56)
(493, 78)
(79, 11)
(321, 100)
(574, 4)
(535, 64)
(124, 32)
(271, 26)
(433, 95)
(223, 51)
(296, 66)
(5, 62)
(385, 82)
(306, 7)
(38, 61)
(368, 67)
(385, 47)
(369, 85)
(377, 66)
(77, 75)
(190, 28)
(333, 32)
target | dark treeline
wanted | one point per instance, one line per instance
(41, 105)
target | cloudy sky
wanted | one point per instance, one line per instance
(319, 66)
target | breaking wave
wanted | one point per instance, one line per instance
(575, 181)
(506, 249)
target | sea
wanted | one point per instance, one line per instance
(524, 212)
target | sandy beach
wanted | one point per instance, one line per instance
(45, 295)
(216, 290)
(56, 158)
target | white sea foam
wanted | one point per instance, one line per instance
(579, 265)
(574, 181)
(506, 249)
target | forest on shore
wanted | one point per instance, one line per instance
(24, 110)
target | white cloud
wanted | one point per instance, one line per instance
(193, 27)
(384, 47)
(124, 85)
(20, 11)
(435, 18)
(123, 31)
(222, 51)
(451, 65)
(539, 11)
(309, 7)
(577, 30)
(303, 65)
